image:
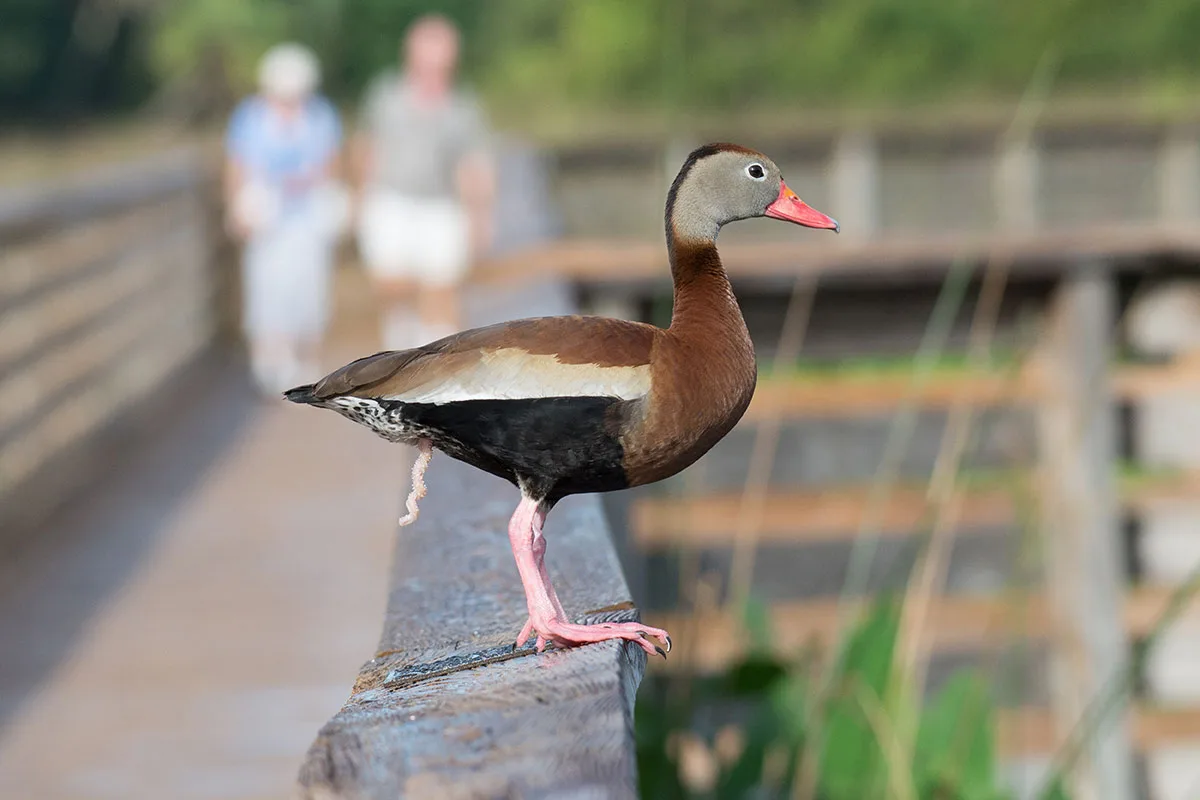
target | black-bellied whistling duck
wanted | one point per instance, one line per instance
(569, 405)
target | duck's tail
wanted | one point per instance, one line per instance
(302, 394)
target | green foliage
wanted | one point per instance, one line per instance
(1055, 790)
(231, 33)
(852, 760)
(69, 58)
(221, 40)
(718, 54)
(955, 745)
(658, 55)
(870, 735)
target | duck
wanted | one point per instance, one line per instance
(570, 405)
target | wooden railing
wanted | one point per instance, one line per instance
(911, 196)
(106, 289)
(448, 707)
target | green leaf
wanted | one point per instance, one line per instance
(955, 751)
(756, 618)
(742, 777)
(852, 763)
(658, 774)
(791, 703)
(1055, 790)
(754, 675)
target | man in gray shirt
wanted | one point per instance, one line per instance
(425, 186)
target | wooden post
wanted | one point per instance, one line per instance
(1085, 570)
(1016, 184)
(854, 183)
(1179, 176)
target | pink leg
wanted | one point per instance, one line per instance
(425, 446)
(539, 555)
(546, 616)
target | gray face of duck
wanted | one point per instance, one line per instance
(732, 184)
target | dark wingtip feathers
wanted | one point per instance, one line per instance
(302, 394)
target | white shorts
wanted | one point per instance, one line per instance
(413, 238)
(286, 270)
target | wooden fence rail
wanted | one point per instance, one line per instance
(448, 707)
(106, 290)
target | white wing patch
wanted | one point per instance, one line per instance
(513, 374)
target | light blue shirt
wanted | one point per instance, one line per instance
(284, 153)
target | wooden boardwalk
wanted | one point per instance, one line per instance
(185, 630)
(185, 627)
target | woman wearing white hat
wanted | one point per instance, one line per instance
(282, 147)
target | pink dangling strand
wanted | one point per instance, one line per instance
(418, 482)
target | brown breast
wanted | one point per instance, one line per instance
(703, 374)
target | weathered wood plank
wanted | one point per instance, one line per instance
(861, 395)
(1079, 120)
(1035, 731)
(105, 290)
(448, 708)
(43, 265)
(160, 294)
(835, 513)
(103, 392)
(893, 257)
(792, 516)
(34, 212)
(712, 640)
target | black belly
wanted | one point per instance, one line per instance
(551, 447)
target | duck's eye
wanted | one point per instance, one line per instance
(756, 172)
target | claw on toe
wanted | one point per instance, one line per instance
(526, 632)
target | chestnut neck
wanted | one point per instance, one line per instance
(704, 303)
(704, 307)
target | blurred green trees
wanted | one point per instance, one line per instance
(618, 54)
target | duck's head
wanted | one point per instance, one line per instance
(721, 183)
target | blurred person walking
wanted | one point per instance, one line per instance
(285, 207)
(426, 186)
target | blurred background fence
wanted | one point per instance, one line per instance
(109, 290)
(1070, 521)
(979, 400)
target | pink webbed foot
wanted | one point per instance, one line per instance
(546, 615)
(567, 634)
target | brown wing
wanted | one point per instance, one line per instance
(541, 357)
